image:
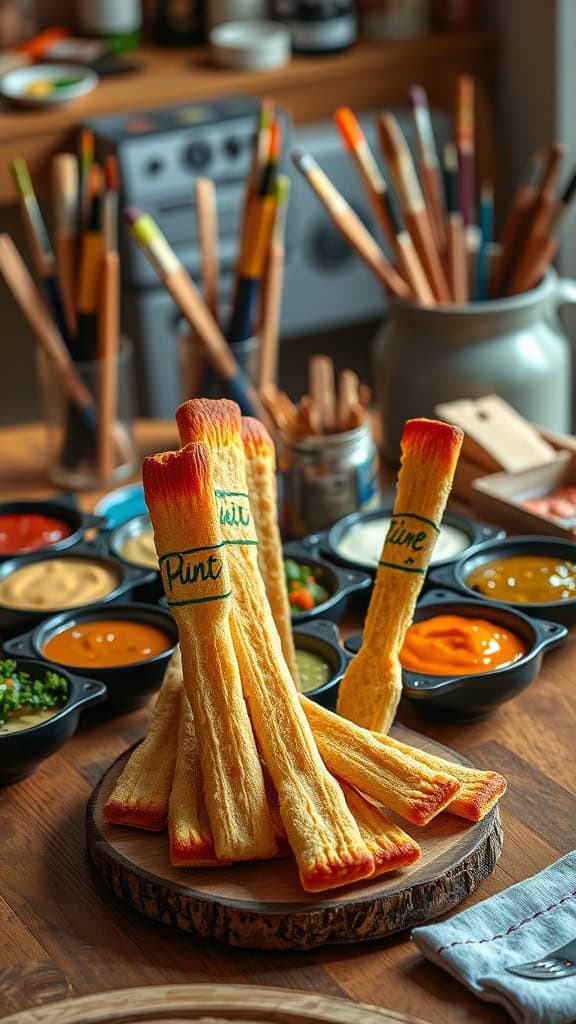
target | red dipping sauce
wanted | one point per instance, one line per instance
(28, 531)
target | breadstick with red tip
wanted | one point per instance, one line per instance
(179, 492)
(372, 684)
(191, 843)
(391, 847)
(142, 792)
(261, 479)
(479, 790)
(354, 755)
(324, 837)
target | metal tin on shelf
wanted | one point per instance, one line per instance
(325, 477)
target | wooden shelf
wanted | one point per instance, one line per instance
(371, 74)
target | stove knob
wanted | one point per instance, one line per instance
(197, 155)
(232, 147)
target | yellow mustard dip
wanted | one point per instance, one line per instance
(313, 671)
(18, 722)
(140, 550)
(55, 583)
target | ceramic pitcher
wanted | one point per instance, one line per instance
(514, 347)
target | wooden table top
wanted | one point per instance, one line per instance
(55, 915)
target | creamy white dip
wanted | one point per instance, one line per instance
(363, 542)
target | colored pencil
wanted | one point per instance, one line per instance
(430, 174)
(350, 225)
(486, 219)
(65, 199)
(207, 221)
(409, 192)
(465, 145)
(39, 242)
(455, 241)
(272, 289)
(179, 284)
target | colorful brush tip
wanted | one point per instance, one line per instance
(275, 141)
(417, 96)
(22, 177)
(303, 161)
(111, 173)
(465, 109)
(86, 147)
(96, 181)
(131, 214)
(266, 117)
(350, 130)
(282, 189)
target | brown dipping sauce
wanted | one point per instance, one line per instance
(51, 584)
(525, 579)
(105, 643)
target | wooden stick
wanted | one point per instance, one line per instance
(348, 388)
(108, 347)
(272, 289)
(65, 199)
(322, 390)
(465, 145)
(429, 163)
(207, 220)
(515, 222)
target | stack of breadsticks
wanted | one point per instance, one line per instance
(237, 764)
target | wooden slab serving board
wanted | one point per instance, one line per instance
(209, 1004)
(261, 905)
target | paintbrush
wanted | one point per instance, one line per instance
(538, 222)
(350, 226)
(207, 221)
(65, 201)
(91, 259)
(110, 203)
(486, 224)
(108, 348)
(39, 242)
(85, 162)
(465, 146)
(407, 186)
(374, 184)
(254, 248)
(430, 175)
(515, 223)
(272, 289)
(266, 186)
(192, 306)
(456, 258)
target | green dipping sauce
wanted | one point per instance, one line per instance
(313, 671)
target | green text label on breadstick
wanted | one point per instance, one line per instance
(235, 517)
(195, 576)
(409, 543)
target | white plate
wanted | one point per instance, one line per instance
(15, 85)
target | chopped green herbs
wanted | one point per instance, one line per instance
(304, 590)
(20, 694)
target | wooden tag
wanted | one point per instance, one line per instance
(496, 436)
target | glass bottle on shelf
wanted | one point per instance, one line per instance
(179, 22)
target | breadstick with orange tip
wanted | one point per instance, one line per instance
(142, 791)
(479, 790)
(391, 777)
(191, 843)
(391, 847)
(324, 837)
(261, 480)
(179, 492)
(372, 684)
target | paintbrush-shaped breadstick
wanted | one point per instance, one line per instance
(261, 480)
(413, 790)
(372, 684)
(390, 846)
(141, 795)
(324, 837)
(179, 491)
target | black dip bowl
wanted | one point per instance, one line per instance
(128, 686)
(23, 750)
(19, 620)
(466, 697)
(456, 575)
(117, 540)
(61, 508)
(343, 585)
(321, 638)
(329, 541)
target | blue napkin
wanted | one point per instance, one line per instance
(523, 923)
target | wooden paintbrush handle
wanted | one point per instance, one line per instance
(420, 231)
(108, 346)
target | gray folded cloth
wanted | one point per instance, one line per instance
(522, 923)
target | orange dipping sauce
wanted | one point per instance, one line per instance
(448, 645)
(105, 643)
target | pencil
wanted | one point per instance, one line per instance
(430, 175)
(465, 146)
(272, 289)
(455, 242)
(407, 186)
(108, 347)
(486, 224)
(206, 217)
(192, 306)
(39, 242)
(350, 225)
(91, 259)
(65, 200)
(374, 184)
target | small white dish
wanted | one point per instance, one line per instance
(254, 45)
(47, 85)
